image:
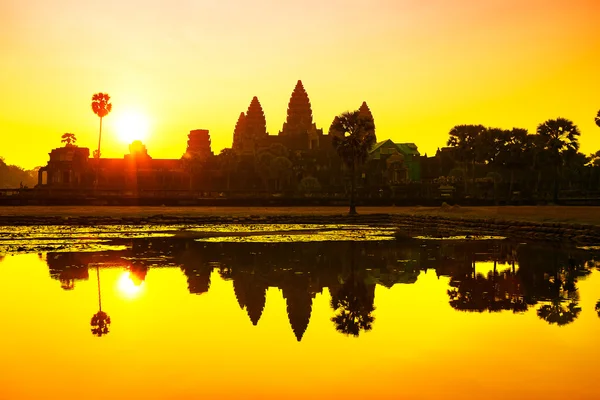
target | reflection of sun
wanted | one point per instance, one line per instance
(132, 125)
(127, 287)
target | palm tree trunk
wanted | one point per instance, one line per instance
(353, 189)
(510, 186)
(473, 177)
(98, 160)
(556, 176)
(537, 183)
(99, 297)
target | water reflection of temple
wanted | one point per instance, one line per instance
(482, 276)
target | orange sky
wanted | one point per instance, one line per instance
(422, 67)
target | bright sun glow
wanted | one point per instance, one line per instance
(132, 125)
(127, 287)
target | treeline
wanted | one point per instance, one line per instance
(540, 164)
(12, 176)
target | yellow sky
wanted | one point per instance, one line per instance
(422, 66)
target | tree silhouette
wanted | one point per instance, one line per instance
(556, 313)
(68, 139)
(468, 143)
(101, 106)
(558, 137)
(515, 154)
(353, 305)
(228, 162)
(353, 137)
(598, 118)
(100, 321)
(597, 308)
(352, 301)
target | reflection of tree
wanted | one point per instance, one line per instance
(597, 308)
(496, 292)
(352, 302)
(556, 313)
(353, 305)
(551, 278)
(100, 321)
(67, 268)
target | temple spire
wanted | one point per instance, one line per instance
(299, 113)
(238, 132)
(256, 124)
(364, 110)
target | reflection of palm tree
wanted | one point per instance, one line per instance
(556, 313)
(598, 307)
(353, 305)
(100, 321)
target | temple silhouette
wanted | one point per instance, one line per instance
(299, 159)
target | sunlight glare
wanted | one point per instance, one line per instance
(132, 125)
(127, 287)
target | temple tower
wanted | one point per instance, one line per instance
(256, 127)
(238, 132)
(299, 113)
(198, 145)
(299, 132)
(365, 111)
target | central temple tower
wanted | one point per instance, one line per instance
(299, 132)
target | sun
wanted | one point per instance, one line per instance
(132, 125)
(127, 286)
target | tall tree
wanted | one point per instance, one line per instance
(101, 106)
(68, 139)
(598, 118)
(559, 137)
(353, 136)
(228, 162)
(515, 153)
(467, 141)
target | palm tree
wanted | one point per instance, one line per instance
(558, 137)
(228, 162)
(100, 321)
(68, 139)
(515, 153)
(598, 118)
(101, 106)
(468, 142)
(353, 136)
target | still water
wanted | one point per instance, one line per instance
(181, 318)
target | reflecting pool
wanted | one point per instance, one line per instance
(181, 318)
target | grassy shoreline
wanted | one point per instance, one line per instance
(535, 214)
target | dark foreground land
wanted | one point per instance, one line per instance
(537, 214)
(579, 225)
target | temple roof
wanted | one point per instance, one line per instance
(238, 132)
(408, 148)
(256, 124)
(364, 110)
(299, 113)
